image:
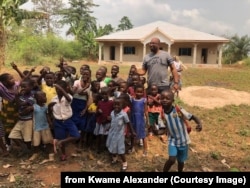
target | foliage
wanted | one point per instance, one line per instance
(78, 17)
(237, 49)
(50, 7)
(125, 24)
(36, 49)
(9, 14)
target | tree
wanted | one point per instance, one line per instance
(78, 17)
(237, 49)
(51, 7)
(125, 24)
(10, 14)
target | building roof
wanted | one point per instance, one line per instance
(175, 33)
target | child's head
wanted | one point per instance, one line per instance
(86, 74)
(58, 75)
(114, 70)
(123, 87)
(118, 105)
(26, 72)
(167, 98)
(105, 93)
(135, 79)
(34, 79)
(142, 80)
(84, 67)
(49, 79)
(95, 86)
(72, 69)
(153, 89)
(64, 85)
(40, 97)
(45, 69)
(139, 91)
(132, 70)
(100, 75)
(7, 80)
(26, 86)
(104, 68)
(126, 99)
(112, 86)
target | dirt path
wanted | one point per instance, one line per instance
(212, 97)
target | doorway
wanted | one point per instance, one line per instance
(112, 52)
(204, 55)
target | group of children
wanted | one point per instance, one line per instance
(105, 113)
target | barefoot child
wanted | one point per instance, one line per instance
(41, 133)
(64, 128)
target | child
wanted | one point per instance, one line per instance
(179, 67)
(114, 74)
(132, 71)
(80, 102)
(41, 132)
(91, 120)
(127, 108)
(9, 115)
(47, 86)
(64, 128)
(116, 138)
(122, 88)
(100, 77)
(23, 130)
(154, 109)
(135, 81)
(104, 109)
(2, 135)
(138, 115)
(178, 138)
(112, 88)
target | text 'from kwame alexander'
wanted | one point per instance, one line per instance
(157, 179)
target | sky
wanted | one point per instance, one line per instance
(218, 17)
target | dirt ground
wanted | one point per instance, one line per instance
(19, 172)
(212, 97)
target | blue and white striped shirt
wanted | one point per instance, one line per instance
(177, 131)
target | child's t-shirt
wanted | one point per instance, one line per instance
(40, 117)
(177, 131)
(50, 92)
(29, 101)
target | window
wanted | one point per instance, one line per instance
(185, 51)
(129, 50)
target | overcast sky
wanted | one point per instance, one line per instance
(219, 17)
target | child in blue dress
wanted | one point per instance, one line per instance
(138, 116)
(116, 137)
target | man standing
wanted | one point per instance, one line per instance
(156, 64)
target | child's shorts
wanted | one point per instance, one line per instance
(65, 128)
(22, 130)
(43, 136)
(181, 153)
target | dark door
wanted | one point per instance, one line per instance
(204, 55)
(112, 52)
